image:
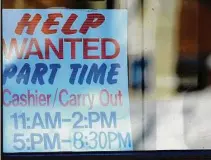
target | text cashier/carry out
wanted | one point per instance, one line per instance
(93, 49)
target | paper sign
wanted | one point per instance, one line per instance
(65, 81)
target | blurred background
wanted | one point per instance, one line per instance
(169, 66)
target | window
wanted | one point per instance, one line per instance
(115, 76)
